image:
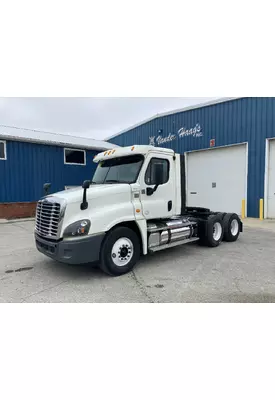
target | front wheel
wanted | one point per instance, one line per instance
(120, 251)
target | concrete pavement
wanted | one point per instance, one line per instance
(234, 272)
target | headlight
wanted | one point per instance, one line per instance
(79, 228)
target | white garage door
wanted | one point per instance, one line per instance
(270, 212)
(217, 178)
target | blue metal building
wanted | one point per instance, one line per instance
(29, 159)
(222, 124)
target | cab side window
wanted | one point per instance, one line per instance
(155, 166)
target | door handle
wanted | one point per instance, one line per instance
(170, 203)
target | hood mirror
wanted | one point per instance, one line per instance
(85, 186)
(46, 188)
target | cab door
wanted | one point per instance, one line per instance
(158, 189)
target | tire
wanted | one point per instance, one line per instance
(120, 251)
(232, 227)
(214, 231)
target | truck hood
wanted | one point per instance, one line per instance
(76, 194)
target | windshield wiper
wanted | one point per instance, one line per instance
(112, 181)
(115, 181)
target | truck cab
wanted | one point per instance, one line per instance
(134, 204)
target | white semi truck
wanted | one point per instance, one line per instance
(135, 204)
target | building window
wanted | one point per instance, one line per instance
(3, 150)
(157, 163)
(74, 157)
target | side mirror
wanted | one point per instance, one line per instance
(85, 186)
(158, 178)
(46, 188)
(159, 174)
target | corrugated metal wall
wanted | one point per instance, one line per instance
(29, 166)
(242, 120)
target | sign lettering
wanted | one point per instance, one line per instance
(196, 132)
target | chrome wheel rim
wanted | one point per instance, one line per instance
(122, 252)
(234, 227)
(217, 231)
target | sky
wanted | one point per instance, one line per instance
(93, 117)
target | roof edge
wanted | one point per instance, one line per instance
(188, 108)
(55, 143)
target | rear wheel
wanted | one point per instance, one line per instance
(232, 227)
(120, 251)
(214, 231)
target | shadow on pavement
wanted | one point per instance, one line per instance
(69, 271)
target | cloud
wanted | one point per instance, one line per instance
(95, 117)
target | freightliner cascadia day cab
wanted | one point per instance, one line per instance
(134, 205)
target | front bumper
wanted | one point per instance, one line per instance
(80, 251)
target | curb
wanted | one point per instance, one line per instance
(14, 221)
(268, 225)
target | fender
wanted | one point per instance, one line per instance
(141, 226)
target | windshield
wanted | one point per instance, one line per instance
(118, 170)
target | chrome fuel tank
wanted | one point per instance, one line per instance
(169, 231)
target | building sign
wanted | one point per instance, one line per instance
(212, 143)
(195, 132)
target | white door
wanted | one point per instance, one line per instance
(162, 203)
(217, 178)
(270, 212)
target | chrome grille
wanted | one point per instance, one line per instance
(47, 218)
